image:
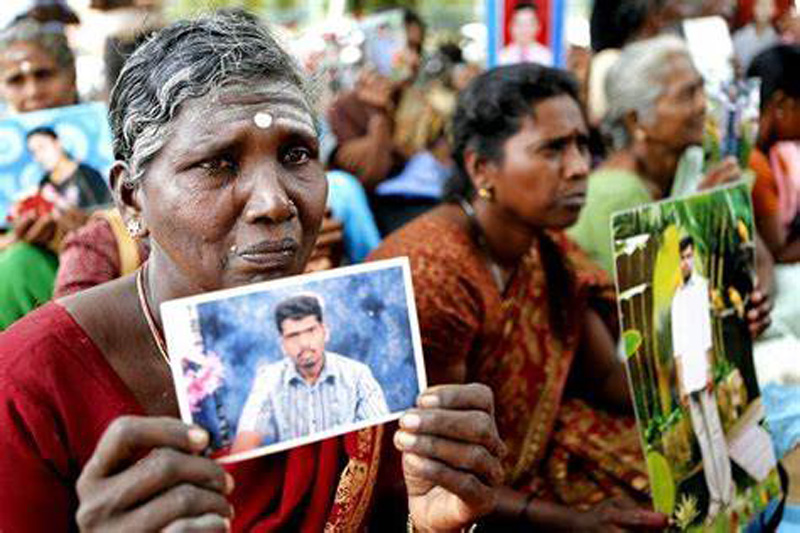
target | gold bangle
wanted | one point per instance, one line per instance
(411, 528)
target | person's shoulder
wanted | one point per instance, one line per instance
(37, 345)
(347, 366)
(610, 182)
(433, 235)
(271, 372)
(701, 282)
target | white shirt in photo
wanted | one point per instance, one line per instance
(691, 332)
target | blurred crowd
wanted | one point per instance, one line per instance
(499, 185)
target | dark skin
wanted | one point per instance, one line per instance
(226, 202)
(539, 184)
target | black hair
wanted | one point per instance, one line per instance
(411, 18)
(42, 130)
(778, 68)
(116, 52)
(521, 6)
(614, 23)
(491, 110)
(297, 307)
(686, 242)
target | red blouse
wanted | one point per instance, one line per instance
(57, 396)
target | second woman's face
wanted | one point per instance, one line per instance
(237, 194)
(541, 181)
(678, 117)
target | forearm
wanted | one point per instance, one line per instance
(603, 374)
(517, 509)
(765, 265)
(370, 157)
(790, 253)
(615, 392)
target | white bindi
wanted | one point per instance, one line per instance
(263, 119)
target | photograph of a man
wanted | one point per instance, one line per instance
(77, 184)
(692, 349)
(311, 389)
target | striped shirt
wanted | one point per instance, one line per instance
(282, 405)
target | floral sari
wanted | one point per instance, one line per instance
(561, 448)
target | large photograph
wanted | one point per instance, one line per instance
(685, 271)
(279, 364)
(54, 159)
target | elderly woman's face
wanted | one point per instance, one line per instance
(678, 116)
(237, 194)
(31, 79)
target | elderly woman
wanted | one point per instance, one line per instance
(493, 273)
(656, 111)
(37, 71)
(216, 148)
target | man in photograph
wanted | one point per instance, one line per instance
(692, 348)
(74, 184)
(311, 389)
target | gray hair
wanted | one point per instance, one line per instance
(636, 81)
(51, 42)
(187, 60)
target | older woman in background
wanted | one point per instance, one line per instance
(656, 112)
(37, 71)
(217, 165)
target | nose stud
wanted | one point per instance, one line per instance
(263, 119)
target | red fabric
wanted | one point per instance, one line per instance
(89, 257)
(57, 396)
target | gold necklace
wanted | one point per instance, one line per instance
(148, 315)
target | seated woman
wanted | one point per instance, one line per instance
(506, 299)
(216, 164)
(37, 71)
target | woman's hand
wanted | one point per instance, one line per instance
(451, 457)
(35, 229)
(759, 309)
(618, 515)
(44, 229)
(145, 475)
(726, 171)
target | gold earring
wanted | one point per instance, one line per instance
(487, 193)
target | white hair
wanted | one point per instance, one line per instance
(636, 81)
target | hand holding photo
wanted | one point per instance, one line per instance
(280, 364)
(685, 274)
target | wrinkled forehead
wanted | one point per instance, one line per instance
(234, 102)
(23, 51)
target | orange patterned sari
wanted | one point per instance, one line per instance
(561, 448)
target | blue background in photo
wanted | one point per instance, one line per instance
(367, 317)
(83, 131)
